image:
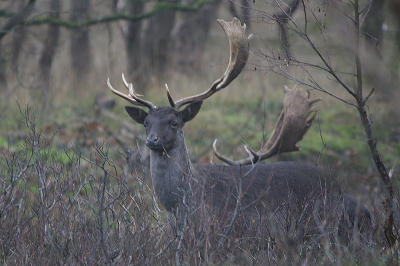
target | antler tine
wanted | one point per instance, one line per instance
(132, 97)
(293, 123)
(120, 94)
(239, 53)
(171, 101)
(129, 86)
(220, 156)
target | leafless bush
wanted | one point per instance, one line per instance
(74, 209)
(252, 237)
(92, 206)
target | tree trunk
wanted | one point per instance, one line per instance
(395, 6)
(156, 47)
(19, 35)
(282, 18)
(132, 42)
(3, 79)
(373, 24)
(50, 46)
(383, 74)
(241, 11)
(19, 17)
(386, 182)
(79, 38)
(190, 36)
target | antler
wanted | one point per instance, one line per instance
(132, 97)
(293, 123)
(239, 53)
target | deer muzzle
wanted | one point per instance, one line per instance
(154, 143)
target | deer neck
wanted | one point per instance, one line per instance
(171, 172)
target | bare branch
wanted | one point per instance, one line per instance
(20, 18)
(17, 18)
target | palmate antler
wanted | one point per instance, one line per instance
(239, 53)
(293, 123)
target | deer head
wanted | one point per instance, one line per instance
(163, 124)
(170, 118)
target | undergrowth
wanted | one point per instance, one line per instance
(94, 204)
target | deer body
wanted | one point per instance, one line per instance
(173, 177)
(217, 185)
(279, 188)
(295, 195)
(268, 186)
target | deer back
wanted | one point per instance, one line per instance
(270, 182)
(287, 197)
(282, 189)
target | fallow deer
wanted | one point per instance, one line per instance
(289, 194)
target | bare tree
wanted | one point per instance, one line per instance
(50, 46)
(157, 42)
(164, 38)
(18, 37)
(343, 76)
(3, 79)
(79, 38)
(131, 32)
(241, 10)
(148, 48)
(373, 25)
(17, 18)
(394, 5)
(189, 36)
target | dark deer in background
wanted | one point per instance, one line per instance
(289, 195)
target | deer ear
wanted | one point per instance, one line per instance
(136, 114)
(191, 111)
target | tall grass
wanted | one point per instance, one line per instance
(86, 205)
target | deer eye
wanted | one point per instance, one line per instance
(174, 124)
(145, 124)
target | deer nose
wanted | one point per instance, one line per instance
(152, 141)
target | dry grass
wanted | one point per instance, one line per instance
(85, 205)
